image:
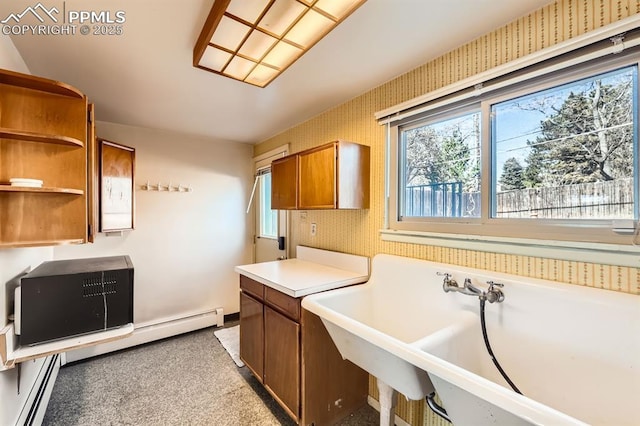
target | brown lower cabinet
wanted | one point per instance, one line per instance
(290, 352)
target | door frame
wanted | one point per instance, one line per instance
(260, 162)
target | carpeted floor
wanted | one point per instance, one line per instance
(185, 380)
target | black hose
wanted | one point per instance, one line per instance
(493, 357)
(436, 408)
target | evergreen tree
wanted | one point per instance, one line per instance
(512, 175)
(588, 138)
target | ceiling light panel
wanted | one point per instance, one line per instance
(282, 55)
(257, 45)
(261, 75)
(309, 29)
(281, 16)
(256, 40)
(239, 68)
(248, 10)
(338, 8)
(229, 33)
(214, 59)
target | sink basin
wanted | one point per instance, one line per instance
(563, 345)
(367, 325)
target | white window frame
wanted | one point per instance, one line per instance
(595, 241)
(432, 118)
(260, 221)
(262, 166)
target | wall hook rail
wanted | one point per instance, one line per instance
(170, 187)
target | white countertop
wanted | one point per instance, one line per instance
(301, 277)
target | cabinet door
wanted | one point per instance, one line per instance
(283, 183)
(317, 178)
(282, 359)
(252, 334)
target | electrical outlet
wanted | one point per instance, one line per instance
(314, 229)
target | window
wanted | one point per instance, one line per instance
(555, 157)
(567, 152)
(441, 167)
(268, 222)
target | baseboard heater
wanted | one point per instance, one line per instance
(151, 331)
(37, 408)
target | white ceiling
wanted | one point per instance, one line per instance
(145, 77)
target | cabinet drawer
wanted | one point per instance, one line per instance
(252, 287)
(287, 305)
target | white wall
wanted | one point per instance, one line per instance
(12, 263)
(185, 245)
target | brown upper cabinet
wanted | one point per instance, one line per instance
(284, 174)
(331, 176)
(45, 133)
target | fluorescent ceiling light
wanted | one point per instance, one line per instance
(261, 75)
(312, 27)
(282, 55)
(337, 8)
(215, 59)
(256, 40)
(257, 45)
(231, 33)
(281, 16)
(248, 10)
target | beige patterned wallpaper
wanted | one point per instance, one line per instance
(357, 231)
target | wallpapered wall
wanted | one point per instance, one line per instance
(357, 231)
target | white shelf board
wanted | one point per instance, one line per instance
(25, 353)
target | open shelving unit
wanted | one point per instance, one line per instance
(44, 135)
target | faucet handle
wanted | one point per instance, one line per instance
(448, 284)
(493, 294)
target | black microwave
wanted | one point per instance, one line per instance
(66, 298)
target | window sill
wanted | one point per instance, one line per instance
(608, 254)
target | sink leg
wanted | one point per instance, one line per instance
(388, 401)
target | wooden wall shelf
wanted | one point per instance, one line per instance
(40, 84)
(71, 191)
(9, 188)
(39, 137)
(27, 244)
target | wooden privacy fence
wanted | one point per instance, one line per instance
(434, 200)
(441, 200)
(592, 200)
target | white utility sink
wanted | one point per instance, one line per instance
(573, 351)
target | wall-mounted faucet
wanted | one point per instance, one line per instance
(492, 294)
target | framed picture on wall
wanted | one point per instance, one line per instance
(117, 201)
